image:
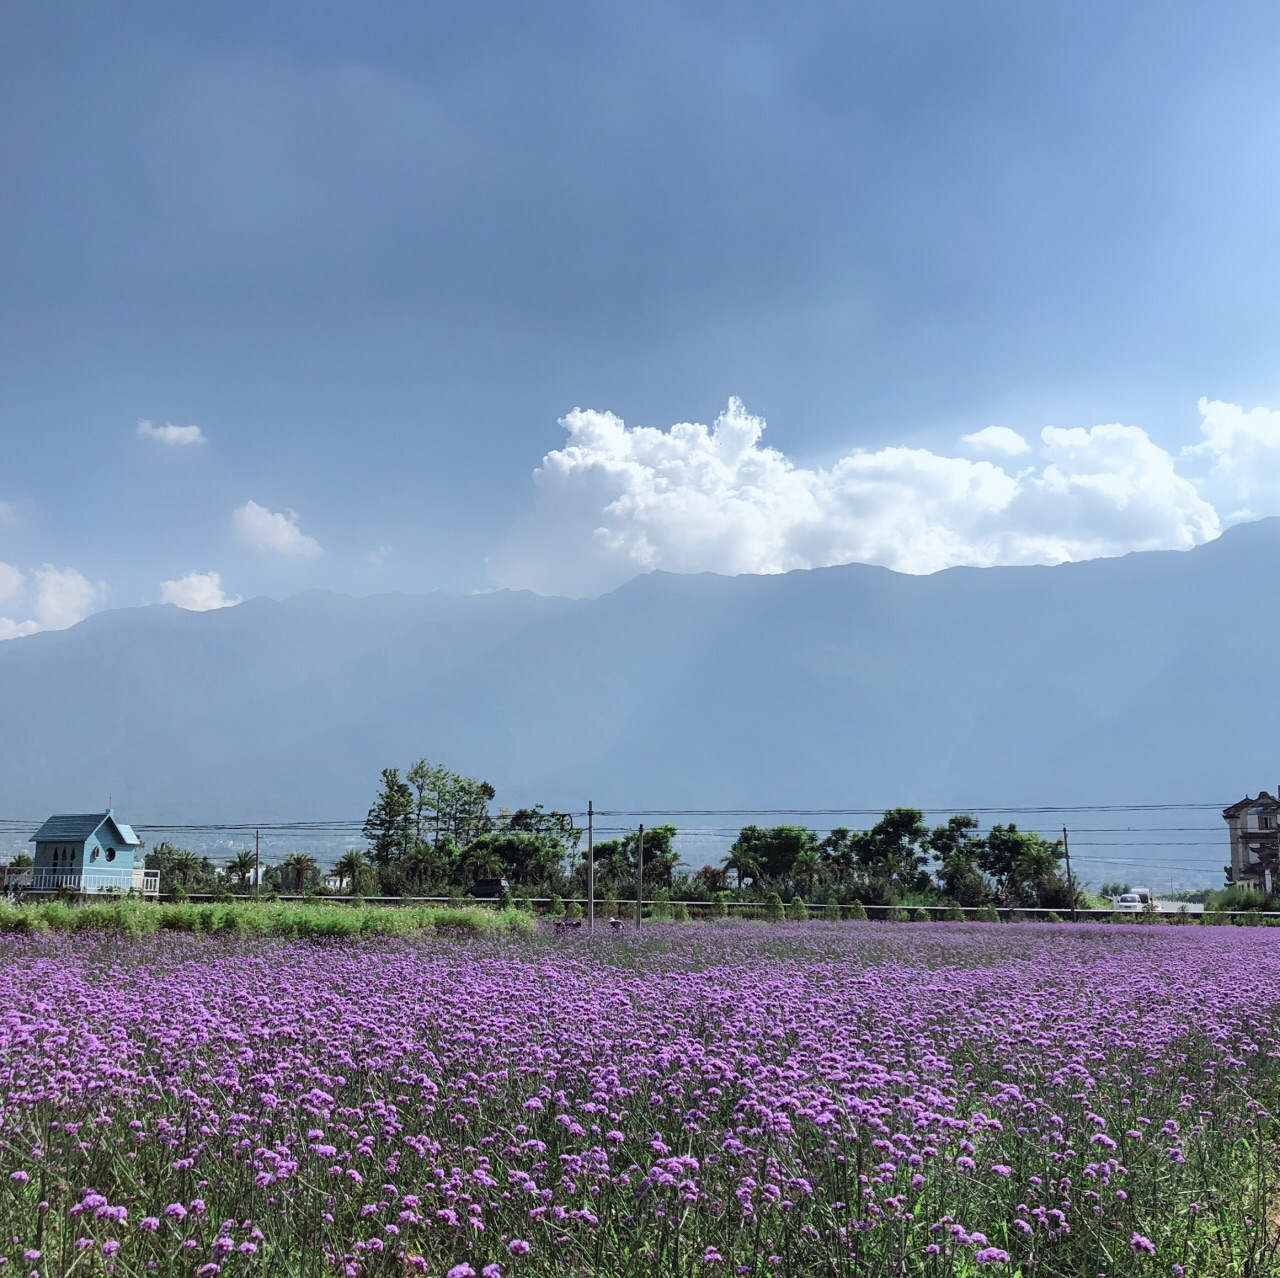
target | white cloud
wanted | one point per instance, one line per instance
(8, 515)
(379, 557)
(11, 582)
(197, 592)
(616, 500)
(273, 530)
(175, 436)
(997, 439)
(59, 597)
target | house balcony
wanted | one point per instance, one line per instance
(87, 882)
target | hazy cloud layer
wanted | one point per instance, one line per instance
(273, 530)
(618, 500)
(174, 436)
(54, 598)
(197, 592)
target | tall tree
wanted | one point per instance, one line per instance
(958, 849)
(353, 870)
(300, 870)
(390, 825)
(895, 849)
(1025, 867)
(242, 865)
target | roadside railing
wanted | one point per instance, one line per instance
(89, 882)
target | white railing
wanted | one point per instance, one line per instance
(87, 881)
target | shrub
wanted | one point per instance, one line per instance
(719, 906)
(572, 910)
(987, 914)
(953, 913)
(555, 907)
(858, 912)
(797, 911)
(920, 915)
(1052, 917)
(524, 905)
(773, 908)
(679, 911)
(895, 915)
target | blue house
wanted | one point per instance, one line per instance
(89, 852)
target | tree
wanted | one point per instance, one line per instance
(242, 865)
(957, 848)
(710, 881)
(180, 870)
(774, 851)
(1025, 867)
(354, 871)
(390, 825)
(742, 862)
(895, 850)
(301, 871)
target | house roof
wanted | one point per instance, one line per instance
(1263, 803)
(76, 827)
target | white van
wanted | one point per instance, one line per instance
(1134, 901)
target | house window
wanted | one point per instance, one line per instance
(111, 854)
(1264, 822)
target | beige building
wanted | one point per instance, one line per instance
(1254, 827)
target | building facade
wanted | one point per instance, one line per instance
(86, 852)
(1254, 829)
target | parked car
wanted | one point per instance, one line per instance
(488, 889)
(1134, 901)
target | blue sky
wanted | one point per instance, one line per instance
(379, 254)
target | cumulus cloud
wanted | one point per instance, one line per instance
(57, 598)
(617, 500)
(197, 592)
(997, 439)
(174, 436)
(273, 530)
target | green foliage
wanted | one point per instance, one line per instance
(895, 915)
(181, 871)
(719, 908)
(555, 907)
(920, 916)
(773, 908)
(953, 913)
(797, 910)
(572, 910)
(857, 912)
(1052, 917)
(987, 914)
(136, 918)
(679, 912)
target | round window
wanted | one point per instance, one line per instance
(111, 854)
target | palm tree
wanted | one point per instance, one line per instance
(353, 869)
(299, 866)
(185, 868)
(807, 866)
(743, 864)
(242, 865)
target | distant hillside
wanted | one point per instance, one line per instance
(1143, 679)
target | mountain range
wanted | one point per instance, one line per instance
(1138, 680)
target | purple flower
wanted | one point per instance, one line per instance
(518, 1247)
(463, 1270)
(991, 1256)
(1139, 1243)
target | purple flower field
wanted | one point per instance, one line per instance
(860, 1099)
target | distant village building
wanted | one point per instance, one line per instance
(86, 852)
(1254, 827)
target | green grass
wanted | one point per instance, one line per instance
(273, 918)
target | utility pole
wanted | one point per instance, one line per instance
(1071, 886)
(640, 881)
(257, 869)
(591, 868)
